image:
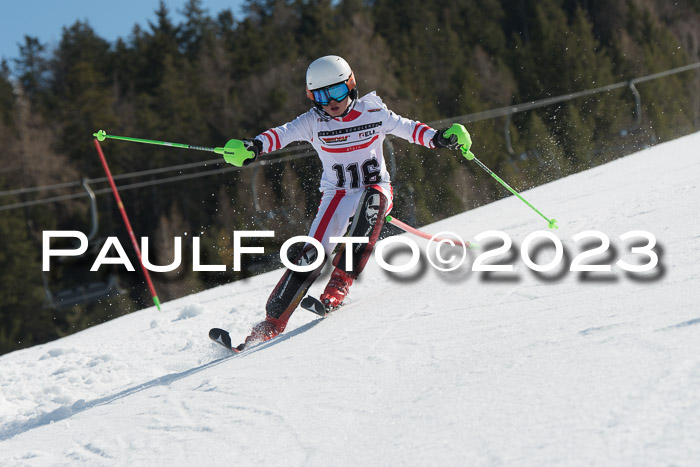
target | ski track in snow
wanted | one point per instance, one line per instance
(426, 368)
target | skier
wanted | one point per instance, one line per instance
(347, 132)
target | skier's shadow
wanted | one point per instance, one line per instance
(65, 412)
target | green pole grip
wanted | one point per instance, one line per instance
(235, 153)
(463, 138)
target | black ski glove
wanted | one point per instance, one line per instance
(253, 145)
(440, 141)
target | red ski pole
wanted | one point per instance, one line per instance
(120, 205)
(412, 230)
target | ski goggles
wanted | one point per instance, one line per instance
(336, 92)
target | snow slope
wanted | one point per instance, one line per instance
(427, 368)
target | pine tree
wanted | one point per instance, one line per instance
(22, 320)
(7, 96)
(32, 68)
(81, 84)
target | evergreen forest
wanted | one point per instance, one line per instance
(203, 77)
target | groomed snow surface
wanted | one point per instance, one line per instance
(420, 368)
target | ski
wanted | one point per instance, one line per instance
(314, 305)
(223, 338)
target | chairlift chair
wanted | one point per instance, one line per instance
(85, 288)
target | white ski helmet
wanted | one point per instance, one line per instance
(326, 71)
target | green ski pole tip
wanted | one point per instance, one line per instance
(553, 224)
(101, 135)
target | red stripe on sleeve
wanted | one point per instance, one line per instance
(422, 132)
(413, 137)
(277, 139)
(269, 142)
